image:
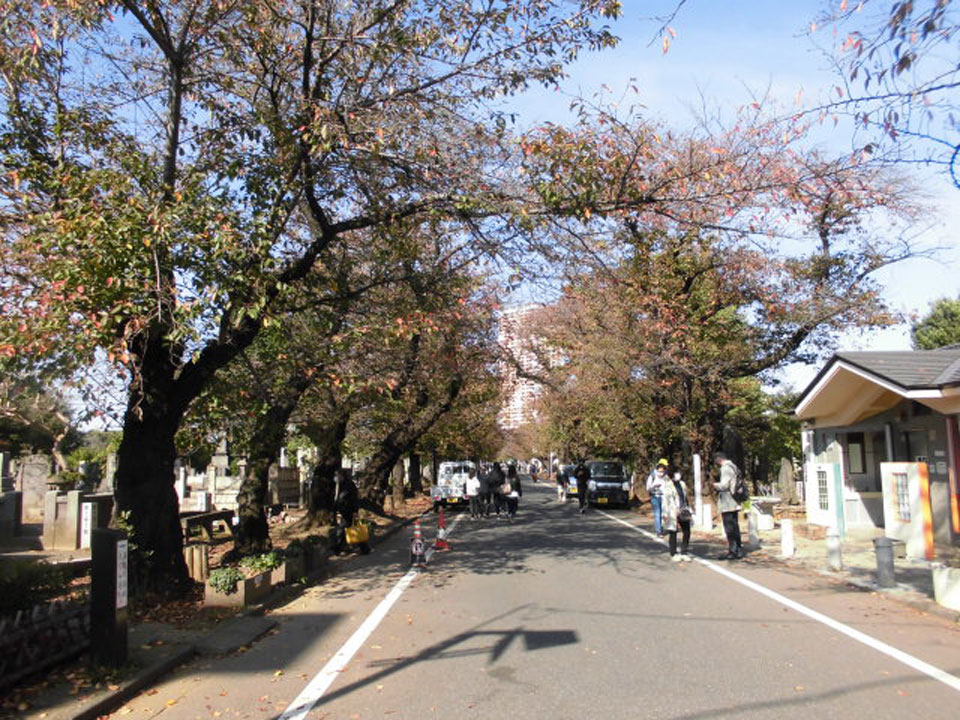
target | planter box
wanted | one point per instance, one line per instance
(946, 585)
(292, 570)
(249, 592)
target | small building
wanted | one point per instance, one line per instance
(881, 444)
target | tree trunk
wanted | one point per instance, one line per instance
(253, 533)
(374, 480)
(328, 438)
(144, 490)
(398, 485)
(416, 480)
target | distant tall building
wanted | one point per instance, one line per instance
(520, 393)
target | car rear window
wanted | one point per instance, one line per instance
(606, 468)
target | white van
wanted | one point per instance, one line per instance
(450, 489)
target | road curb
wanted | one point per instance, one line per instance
(141, 681)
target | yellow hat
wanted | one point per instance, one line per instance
(662, 461)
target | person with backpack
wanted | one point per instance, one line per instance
(729, 487)
(677, 516)
(656, 481)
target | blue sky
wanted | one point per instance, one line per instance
(725, 53)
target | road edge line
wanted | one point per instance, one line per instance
(916, 663)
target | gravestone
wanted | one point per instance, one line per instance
(109, 476)
(6, 476)
(786, 486)
(220, 461)
(10, 512)
(33, 476)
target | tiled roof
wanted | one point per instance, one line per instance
(910, 369)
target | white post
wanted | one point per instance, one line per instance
(88, 521)
(834, 552)
(753, 534)
(787, 548)
(698, 490)
(706, 517)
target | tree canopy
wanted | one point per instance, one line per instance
(939, 327)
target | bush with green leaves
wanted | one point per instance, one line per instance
(262, 563)
(224, 580)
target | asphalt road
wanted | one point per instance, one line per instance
(563, 616)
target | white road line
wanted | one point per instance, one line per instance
(917, 664)
(315, 689)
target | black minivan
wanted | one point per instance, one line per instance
(608, 484)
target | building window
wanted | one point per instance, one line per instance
(856, 454)
(822, 498)
(901, 486)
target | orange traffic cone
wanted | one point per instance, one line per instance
(441, 542)
(418, 556)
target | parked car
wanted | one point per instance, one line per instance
(450, 489)
(608, 484)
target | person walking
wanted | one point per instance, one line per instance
(656, 481)
(728, 507)
(677, 516)
(483, 494)
(497, 479)
(561, 480)
(512, 491)
(473, 493)
(582, 474)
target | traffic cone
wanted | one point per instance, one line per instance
(441, 543)
(418, 556)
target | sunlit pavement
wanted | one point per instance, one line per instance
(558, 615)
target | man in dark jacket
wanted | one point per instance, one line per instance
(497, 478)
(583, 477)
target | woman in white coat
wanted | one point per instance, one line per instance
(677, 516)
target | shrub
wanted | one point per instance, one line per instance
(262, 563)
(224, 580)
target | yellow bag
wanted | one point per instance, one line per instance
(358, 533)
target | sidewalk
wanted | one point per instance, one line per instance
(913, 577)
(154, 649)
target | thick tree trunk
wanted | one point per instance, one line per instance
(328, 438)
(145, 492)
(416, 478)
(252, 534)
